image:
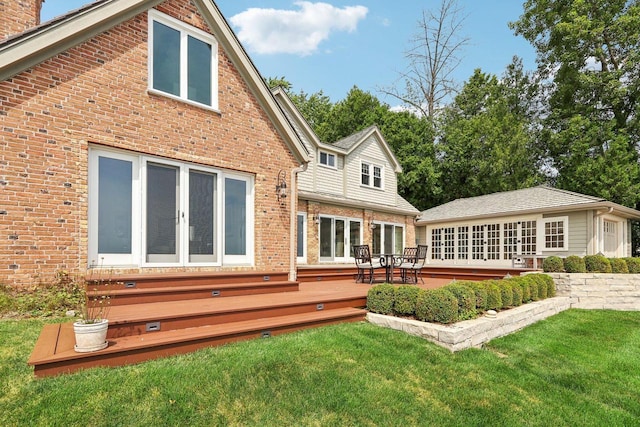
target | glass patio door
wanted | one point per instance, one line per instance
(163, 214)
(333, 239)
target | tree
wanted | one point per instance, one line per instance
(433, 56)
(589, 52)
(486, 143)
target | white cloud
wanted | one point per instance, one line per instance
(271, 31)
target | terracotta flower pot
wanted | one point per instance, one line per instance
(90, 336)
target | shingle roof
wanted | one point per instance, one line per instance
(539, 198)
(351, 140)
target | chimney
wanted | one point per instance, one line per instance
(17, 16)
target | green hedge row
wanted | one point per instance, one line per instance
(591, 264)
(459, 300)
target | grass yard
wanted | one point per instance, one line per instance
(577, 368)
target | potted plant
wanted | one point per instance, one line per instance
(91, 329)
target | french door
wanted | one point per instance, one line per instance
(337, 235)
(155, 212)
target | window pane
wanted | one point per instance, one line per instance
(388, 239)
(399, 233)
(325, 237)
(235, 228)
(339, 238)
(199, 71)
(323, 158)
(365, 174)
(331, 160)
(376, 237)
(201, 216)
(377, 177)
(162, 212)
(300, 238)
(114, 206)
(166, 59)
(354, 234)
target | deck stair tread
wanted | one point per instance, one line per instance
(60, 356)
(184, 288)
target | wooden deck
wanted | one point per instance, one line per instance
(161, 315)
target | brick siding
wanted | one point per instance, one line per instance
(96, 93)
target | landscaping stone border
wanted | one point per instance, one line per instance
(475, 332)
(574, 290)
(600, 290)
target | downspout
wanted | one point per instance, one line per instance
(293, 220)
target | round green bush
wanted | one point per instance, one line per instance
(619, 266)
(597, 264)
(466, 300)
(506, 293)
(574, 264)
(517, 292)
(405, 299)
(437, 305)
(532, 283)
(542, 286)
(551, 285)
(494, 296)
(525, 288)
(633, 264)
(553, 264)
(380, 299)
(480, 292)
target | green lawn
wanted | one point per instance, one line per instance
(576, 368)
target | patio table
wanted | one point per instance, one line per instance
(390, 262)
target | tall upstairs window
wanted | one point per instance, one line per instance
(182, 61)
(370, 175)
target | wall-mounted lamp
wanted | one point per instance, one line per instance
(371, 224)
(281, 186)
(316, 216)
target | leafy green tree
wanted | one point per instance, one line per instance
(486, 141)
(589, 52)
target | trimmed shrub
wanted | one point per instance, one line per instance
(494, 296)
(542, 286)
(437, 305)
(405, 299)
(525, 287)
(517, 292)
(480, 292)
(380, 299)
(553, 264)
(597, 264)
(506, 293)
(619, 266)
(574, 264)
(466, 300)
(551, 285)
(633, 264)
(530, 280)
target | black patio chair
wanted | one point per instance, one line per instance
(412, 268)
(365, 264)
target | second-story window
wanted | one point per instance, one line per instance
(183, 61)
(327, 159)
(371, 175)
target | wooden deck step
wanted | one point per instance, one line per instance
(122, 295)
(52, 357)
(139, 319)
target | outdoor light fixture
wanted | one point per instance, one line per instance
(281, 186)
(316, 216)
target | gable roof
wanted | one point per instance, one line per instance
(27, 49)
(344, 146)
(538, 199)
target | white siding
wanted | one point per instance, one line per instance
(371, 152)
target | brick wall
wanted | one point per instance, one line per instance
(96, 93)
(366, 215)
(17, 16)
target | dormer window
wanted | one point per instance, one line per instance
(182, 61)
(371, 175)
(328, 159)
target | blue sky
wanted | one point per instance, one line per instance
(332, 45)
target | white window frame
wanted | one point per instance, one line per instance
(305, 223)
(371, 167)
(327, 157)
(137, 258)
(380, 226)
(565, 227)
(185, 30)
(347, 238)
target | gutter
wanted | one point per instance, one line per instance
(293, 216)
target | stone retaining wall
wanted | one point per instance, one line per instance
(600, 290)
(475, 332)
(586, 291)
